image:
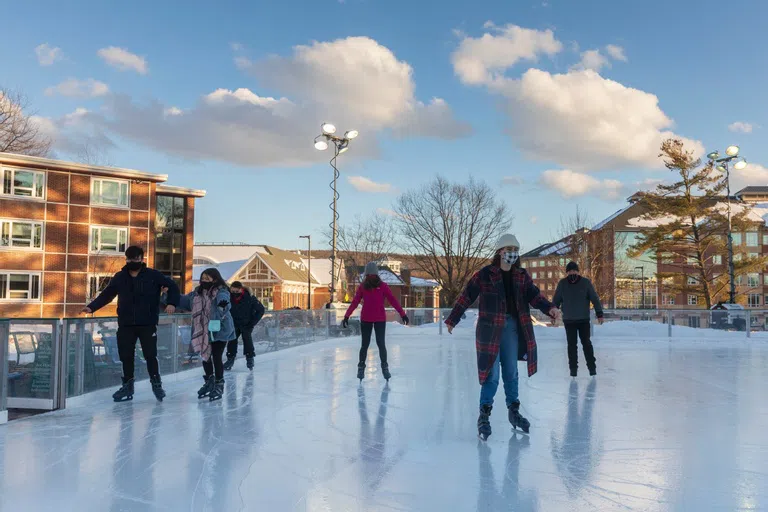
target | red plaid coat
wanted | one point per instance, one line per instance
(488, 286)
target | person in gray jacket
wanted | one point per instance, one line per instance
(573, 295)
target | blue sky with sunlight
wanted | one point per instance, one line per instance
(556, 103)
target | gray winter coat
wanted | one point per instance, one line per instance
(574, 299)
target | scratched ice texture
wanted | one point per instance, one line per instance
(666, 425)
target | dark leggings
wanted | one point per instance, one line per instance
(214, 363)
(367, 328)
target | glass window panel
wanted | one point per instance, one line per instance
(752, 239)
(7, 182)
(23, 183)
(164, 212)
(3, 286)
(22, 234)
(5, 234)
(18, 286)
(35, 287)
(178, 213)
(39, 184)
(38, 239)
(94, 239)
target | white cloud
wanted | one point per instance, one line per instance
(752, 174)
(74, 88)
(534, 220)
(741, 127)
(355, 83)
(616, 52)
(578, 120)
(173, 111)
(236, 47)
(592, 59)
(482, 60)
(570, 184)
(363, 184)
(243, 62)
(387, 212)
(512, 180)
(73, 132)
(47, 55)
(122, 59)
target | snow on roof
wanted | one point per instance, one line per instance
(227, 269)
(555, 248)
(388, 277)
(321, 270)
(423, 283)
(607, 220)
(226, 252)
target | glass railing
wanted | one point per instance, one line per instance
(50, 360)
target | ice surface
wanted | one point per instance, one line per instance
(675, 425)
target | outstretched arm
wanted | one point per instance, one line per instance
(105, 297)
(466, 299)
(355, 302)
(537, 300)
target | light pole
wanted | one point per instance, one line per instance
(340, 145)
(642, 286)
(309, 271)
(722, 165)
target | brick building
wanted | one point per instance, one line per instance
(546, 264)
(64, 228)
(409, 290)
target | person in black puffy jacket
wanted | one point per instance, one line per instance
(247, 310)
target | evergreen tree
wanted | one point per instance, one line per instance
(685, 227)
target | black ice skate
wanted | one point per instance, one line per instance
(125, 392)
(360, 370)
(157, 388)
(207, 387)
(517, 420)
(573, 373)
(385, 371)
(218, 390)
(484, 422)
(249, 362)
(229, 363)
(593, 371)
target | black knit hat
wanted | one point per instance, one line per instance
(571, 266)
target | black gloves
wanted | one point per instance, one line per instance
(345, 323)
(223, 303)
(405, 320)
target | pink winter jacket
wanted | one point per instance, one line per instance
(373, 303)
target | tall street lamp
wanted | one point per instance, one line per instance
(722, 165)
(340, 145)
(309, 271)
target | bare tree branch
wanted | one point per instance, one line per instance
(19, 133)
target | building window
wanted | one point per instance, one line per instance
(694, 322)
(765, 279)
(736, 238)
(534, 275)
(717, 259)
(169, 237)
(109, 240)
(667, 258)
(737, 257)
(106, 192)
(752, 239)
(21, 234)
(693, 300)
(534, 264)
(549, 286)
(692, 280)
(549, 275)
(21, 183)
(753, 255)
(753, 300)
(691, 260)
(96, 284)
(524, 265)
(542, 263)
(753, 280)
(668, 299)
(562, 262)
(19, 286)
(765, 242)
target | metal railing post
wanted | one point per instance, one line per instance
(174, 344)
(56, 337)
(62, 362)
(5, 331)
(749, 324)
(440, 321)
(79, 359)
(669, 323)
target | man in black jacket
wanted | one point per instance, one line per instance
(574, 294)
(137, 289)
(246, 311)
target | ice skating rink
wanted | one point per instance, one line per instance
(679, 425)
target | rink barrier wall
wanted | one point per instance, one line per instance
(48, 361)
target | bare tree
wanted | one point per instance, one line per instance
(19, 133)
(453, 228)
(363, 240)
(93, 153)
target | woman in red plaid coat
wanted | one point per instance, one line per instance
(504, 328)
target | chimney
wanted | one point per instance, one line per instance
(405, 275)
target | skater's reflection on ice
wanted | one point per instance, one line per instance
(375, 465)
(511, 496)
(573, 454)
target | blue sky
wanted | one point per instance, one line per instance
(555, 103)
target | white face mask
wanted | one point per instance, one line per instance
(510, 257)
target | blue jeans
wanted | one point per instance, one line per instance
(507, 360)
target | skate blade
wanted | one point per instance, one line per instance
(125, 399)
(483, 437)
(517, 430)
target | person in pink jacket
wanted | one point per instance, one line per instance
(372, 292)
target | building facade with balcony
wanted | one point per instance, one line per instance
(64, 228)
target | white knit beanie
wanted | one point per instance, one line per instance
(507, 240)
